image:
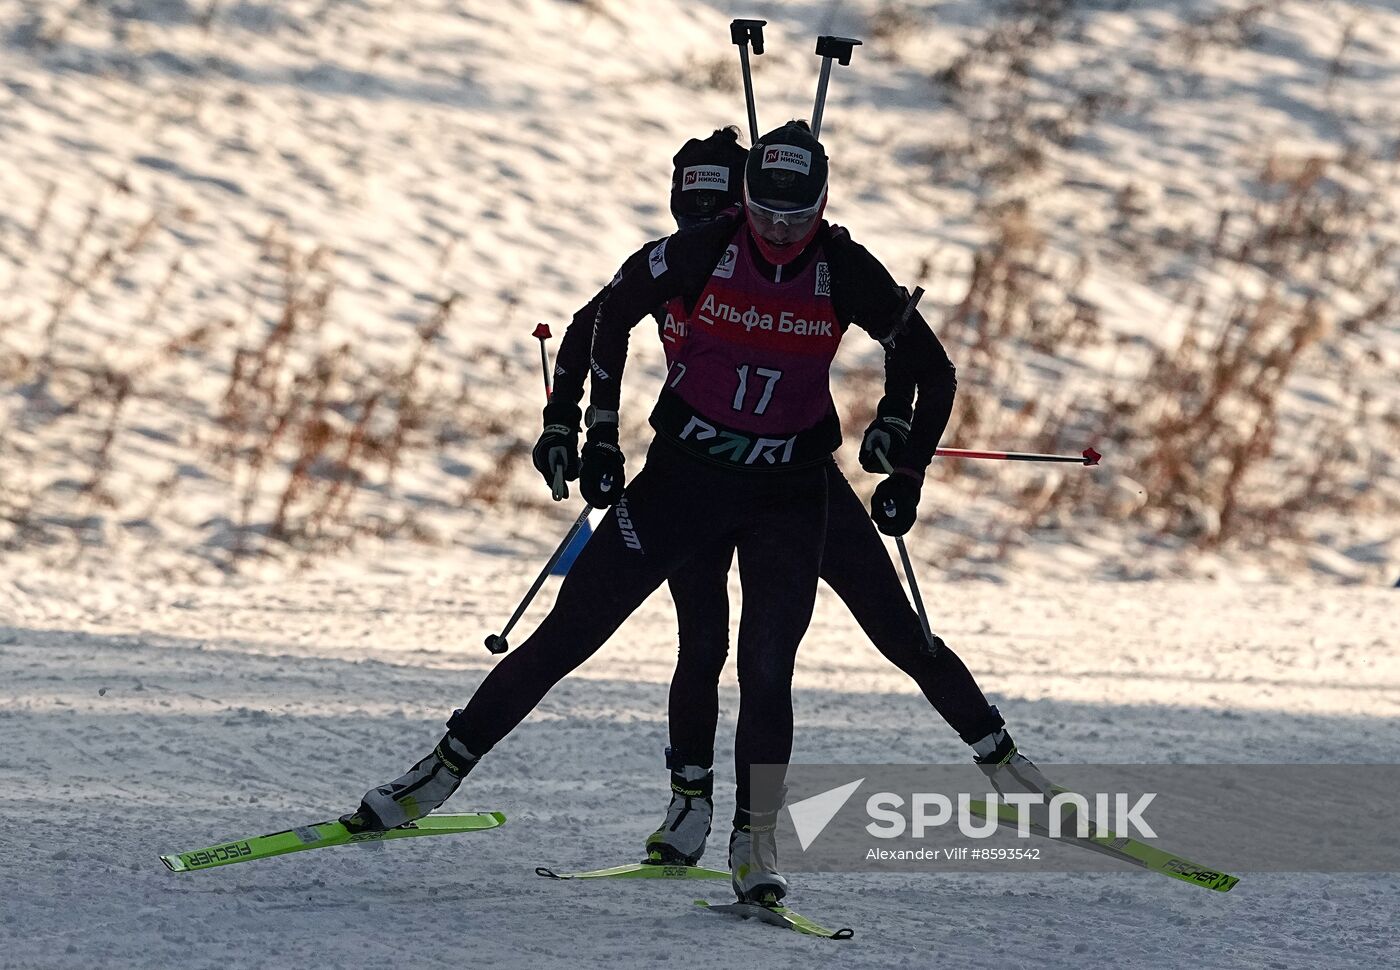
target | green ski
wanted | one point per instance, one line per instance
(321, 835)
(1124, 849)
(777, 916)
(637, 870)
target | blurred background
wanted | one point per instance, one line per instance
(269, 271)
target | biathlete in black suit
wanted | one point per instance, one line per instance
(706, 180)
(741, 463)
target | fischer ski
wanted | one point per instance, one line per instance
(321, 835)
(777, 916)
(637, 870)
(1124, 849)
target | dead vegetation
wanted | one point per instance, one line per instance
(1208, 447)
(305, 429)
(1206, 439)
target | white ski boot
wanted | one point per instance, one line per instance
(1006, 768)
(680, 841)
(415, 793)
(753, 859)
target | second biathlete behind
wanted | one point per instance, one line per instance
(707, 178)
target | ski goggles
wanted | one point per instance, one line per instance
(766, 218)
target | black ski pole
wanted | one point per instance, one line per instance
(741, 33)
(1086, 457)
(497, 642)
(558, 488)
(829, 47)
(909, 572)
(929, 638)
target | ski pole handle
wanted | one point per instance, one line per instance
(884, 462)
(542, 334)
(829, 47)
(742, 33)
(496, 642)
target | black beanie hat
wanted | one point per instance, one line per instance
(707, 175)
(788, 165)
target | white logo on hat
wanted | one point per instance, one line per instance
(788, 157)
(715, 178)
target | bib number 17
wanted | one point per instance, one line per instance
(741, 393)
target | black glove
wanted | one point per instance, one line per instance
(558, 447)
(895, 504)
(601, 478)
(887, 434)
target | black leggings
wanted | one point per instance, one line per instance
(856, 565)
(675, 509)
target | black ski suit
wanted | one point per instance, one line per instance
(720, 481)
(855, 560)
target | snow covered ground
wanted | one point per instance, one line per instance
(180, 178)
(136, 720)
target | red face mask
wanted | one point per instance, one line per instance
(782, 234)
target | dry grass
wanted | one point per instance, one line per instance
(305, 425)
(1200, 428)
(1206, 443)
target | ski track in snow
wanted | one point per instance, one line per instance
(137, 720)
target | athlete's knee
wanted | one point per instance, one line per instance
(547, 659)
(702, 656)
(766, 671)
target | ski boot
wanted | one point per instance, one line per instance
(680, 841)
(415, 793)
(753, 859)
(1007, 769)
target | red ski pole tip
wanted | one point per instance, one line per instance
(1091, 457)
(542, 332)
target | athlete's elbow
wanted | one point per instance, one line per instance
(949, 375)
